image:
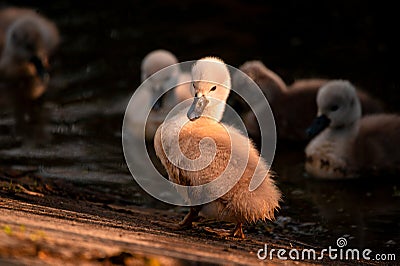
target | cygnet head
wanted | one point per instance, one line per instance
(211, 84)
(155, 61)
(338, 106)
(25, 41)
(271, 84)
(163, 80)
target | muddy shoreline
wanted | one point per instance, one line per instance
(55, 221)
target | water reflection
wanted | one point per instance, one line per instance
(364, 210)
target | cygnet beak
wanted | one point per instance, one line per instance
(159, 103)
(40, 69)
(197, 107)
(319, 124)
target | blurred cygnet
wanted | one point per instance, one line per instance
(293, 106)
(27, 40)
(347, 145)
(166, 86)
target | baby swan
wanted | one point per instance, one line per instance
(350, 146)
(27, 40)
(231, 154)
(287, 101)
(160, 84)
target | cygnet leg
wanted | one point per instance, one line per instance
(190, 217)
(238, 231)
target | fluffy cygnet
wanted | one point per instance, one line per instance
(293, 106)
(27, 40)
(347, 145)
(228, 150)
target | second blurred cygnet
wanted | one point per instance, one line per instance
(166, 86)
(293, 106)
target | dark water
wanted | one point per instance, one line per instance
(96, 70)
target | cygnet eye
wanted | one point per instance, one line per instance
(213, 88)
(334, 108)
(30, 46)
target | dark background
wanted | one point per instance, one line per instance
(352, 40)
